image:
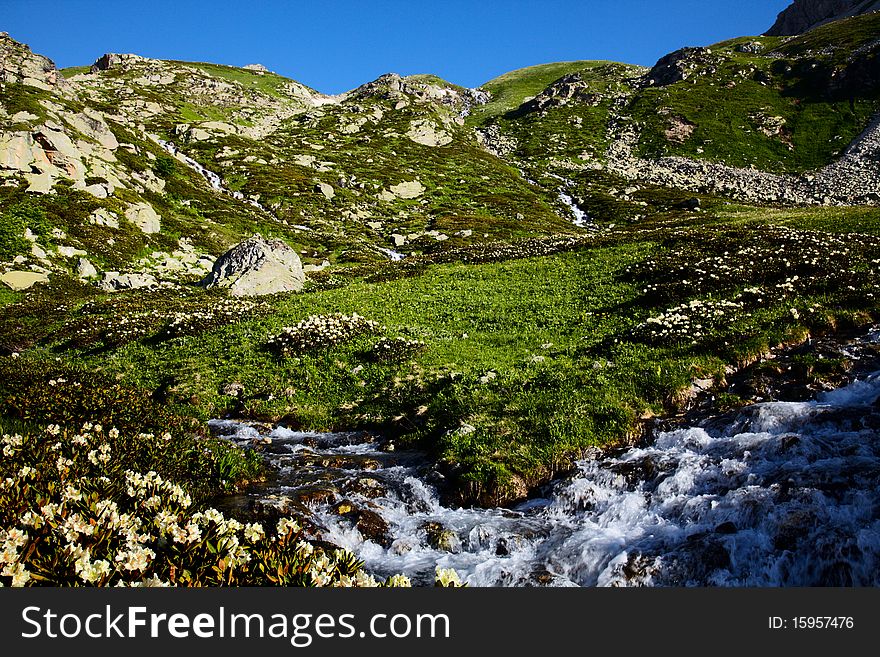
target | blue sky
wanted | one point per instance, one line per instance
(335, 45)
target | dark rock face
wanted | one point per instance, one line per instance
(804, 15)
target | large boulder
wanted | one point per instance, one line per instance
(23, 280)
(256, 267)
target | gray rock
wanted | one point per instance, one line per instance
(144, 217)
(19, 65)
(114, 281)
(85, 269)
(325, 189)
(677, 66)
(256, 267)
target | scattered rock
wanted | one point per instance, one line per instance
(256, 267)
(85, 269)
(22, 280)
(405, 190)
(750, 47)
(102, 217)
(425, 132)
(679, 130)
(113, 280)
(144, 217)
(677, 66)
(326, 190)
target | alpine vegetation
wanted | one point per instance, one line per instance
(416, 333)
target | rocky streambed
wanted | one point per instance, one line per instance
(777, 493)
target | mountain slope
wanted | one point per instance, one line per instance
(804, 15)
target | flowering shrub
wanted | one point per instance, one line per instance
(321, 331)
(65, 396)
(70, 516)
(395, 349)
(737, 275)
(225, 311)
(125, 318)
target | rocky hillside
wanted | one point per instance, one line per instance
(804, 15)
(136, 172)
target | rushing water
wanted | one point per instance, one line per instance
(395, 256)
(779, 494)
(581, 218)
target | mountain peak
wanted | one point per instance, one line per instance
(19, 65)
(804, 15)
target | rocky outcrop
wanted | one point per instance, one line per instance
(566, 89)
(804, 15)
(681, 65)
(19, 65)
(144, 217)
(257, 267)
(115, 60)
(426, 133)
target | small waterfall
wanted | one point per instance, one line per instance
(213, 179)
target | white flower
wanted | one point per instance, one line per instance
(165, 521)
(71, 494)
(19, 574)
(287, 525)
(364, 580)
(16, 537)
(399, 581)
(446, 577)
(136, 559)
(253, 532)
(91, 571)
(155, 582)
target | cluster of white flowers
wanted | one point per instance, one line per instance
(222, 312)
(318, 331)
(150, 488)
(12, 541)
(387, 349)
(128, 530)
(688, 320)
(11, 444)
(447, 577)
